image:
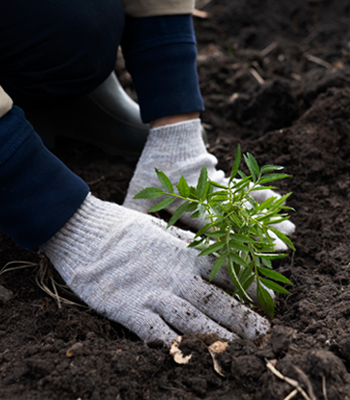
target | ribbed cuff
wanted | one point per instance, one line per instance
(83, 234)
(181, 141)
(38, 193)
(160, 54)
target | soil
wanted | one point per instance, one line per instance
(275, 78)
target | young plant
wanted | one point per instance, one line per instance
(237, 228)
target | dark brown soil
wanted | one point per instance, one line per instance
(298, 117)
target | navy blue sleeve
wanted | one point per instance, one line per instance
(38, 193)
(160, 54)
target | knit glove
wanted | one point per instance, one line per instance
(178, 149)
(127, 266)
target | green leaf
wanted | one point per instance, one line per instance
(192, 207)
(206, 191)
(237, 259)
(196, 243)
(264, 248)
(178, 213)
(162, 204)
(215, 184)
(262, 237)
(202, 182)
(236, 164)
(150, 193)
(219, 198)
(265, 300)
(236, 222)
(247, 273)
(212, 248)
(248, 282)
(183, 187)
(271, 219)
(279, 202)
(165, 181)
(252, 166)
(270, 168)
(241, 238)
(265, 204)
(201, 210)
(219, 193)
(205, 228)
(217, 234)
(195, 215)
(234, 278)
(256, 188)
(254, 205)
(274, 275)
(274, 286)
(273, 177)
(217, 266)
(270, 256)
(193, 193)
(241, 174)
(210, 189)
(238, 246)
(267, 263)
(242, 183)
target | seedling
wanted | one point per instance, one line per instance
(237, 228)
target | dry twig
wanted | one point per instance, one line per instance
(291, 394)
(307, 382)
(291, 381)
(43, 273)
(318, 61)
(295, 76)
(268, 49)
(256, 75)
(324, 388)
(200, 14)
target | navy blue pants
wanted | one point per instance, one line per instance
(52, 50)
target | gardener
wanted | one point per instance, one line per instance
(121, 262)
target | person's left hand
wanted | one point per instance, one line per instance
(127, 266)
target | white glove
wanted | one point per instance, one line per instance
(178, 149)
(129, 267)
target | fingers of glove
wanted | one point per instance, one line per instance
(150, 326)
(287, 227)
(188, 320)
(225, 310)
(278, 245)
(186, 236)
(221, 278)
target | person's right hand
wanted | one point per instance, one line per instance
(127, 266)
(176, 150)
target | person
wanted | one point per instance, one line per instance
(122, 262)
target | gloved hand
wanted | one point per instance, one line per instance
(178, 149)
(127, 266)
